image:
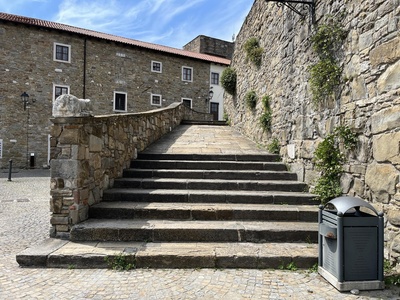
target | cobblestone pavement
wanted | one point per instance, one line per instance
(24, 221)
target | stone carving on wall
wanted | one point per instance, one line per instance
(70, 106)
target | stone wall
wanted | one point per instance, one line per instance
(88, 153)
(368, 100)
(207, 45)
(27, 65)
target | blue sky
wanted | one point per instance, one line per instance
(166, 22)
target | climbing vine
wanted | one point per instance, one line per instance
(325, 75)
(329, 158)
(228, 80)
(253, 51)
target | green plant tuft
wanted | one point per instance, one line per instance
(328, 38)
(251, 99)
(329, 159)
(266, 117)
(274, 147)
(121, 262)
(253, 51)
(290, 266)
(324, 78)
(325, 75)
(228, 80)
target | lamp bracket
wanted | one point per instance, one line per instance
(291, 4)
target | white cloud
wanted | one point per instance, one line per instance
(166, 22)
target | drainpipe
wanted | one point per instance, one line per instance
(84, 69)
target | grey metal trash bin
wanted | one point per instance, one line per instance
(351, 244)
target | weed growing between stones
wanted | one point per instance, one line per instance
(266, 117)
(253, 51)
(329, 158)
(251, 100)
(289, 267)
(121, 262)
(274, 147)
(391, 277)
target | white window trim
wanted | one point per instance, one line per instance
(158, 62)
(126, 102)
(191, 79)
(54, 52)
(189, 99)
(1, 148)
(151, 99)
(59, 85)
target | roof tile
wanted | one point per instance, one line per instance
(110, 37)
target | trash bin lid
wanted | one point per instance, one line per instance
(343, 204)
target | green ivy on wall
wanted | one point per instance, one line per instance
(329, 158)
(325, 75)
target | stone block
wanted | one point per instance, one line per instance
(385, 53)
(393, 216)
(59, 220)
(382, 180)
(385, 120)
(390, 79)
(95, 143)
(64, 168)
(386, 147)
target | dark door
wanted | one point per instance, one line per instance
(214, 109)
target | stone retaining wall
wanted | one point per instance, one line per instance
(368, 100)
(88, 153)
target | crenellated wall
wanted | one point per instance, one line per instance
(367, 101)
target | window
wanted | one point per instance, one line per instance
(59, 90)
(156, 66)
(1, 148)
(187, 102)
(214, 78)
(187, 74)
(62, 52)
(120, 101)
(156, 99)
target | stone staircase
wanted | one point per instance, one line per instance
(205, 211)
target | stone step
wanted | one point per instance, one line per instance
(209, 174)
(208, 157)
(210, 184)
(201, 211)
(208, 165)
(150, 230)
(56, 253)
(207, 196)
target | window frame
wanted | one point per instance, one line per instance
(151, 100)
(183, 74)
(187, 99)
(152, 66)
(55, 52)
(55, 86)
(115, 98)
(212, 78)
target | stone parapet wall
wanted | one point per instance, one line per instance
(89, 153)
(367, 101)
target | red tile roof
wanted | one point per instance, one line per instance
(114, 38)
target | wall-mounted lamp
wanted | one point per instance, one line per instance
(210, 94)
(25, 100)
